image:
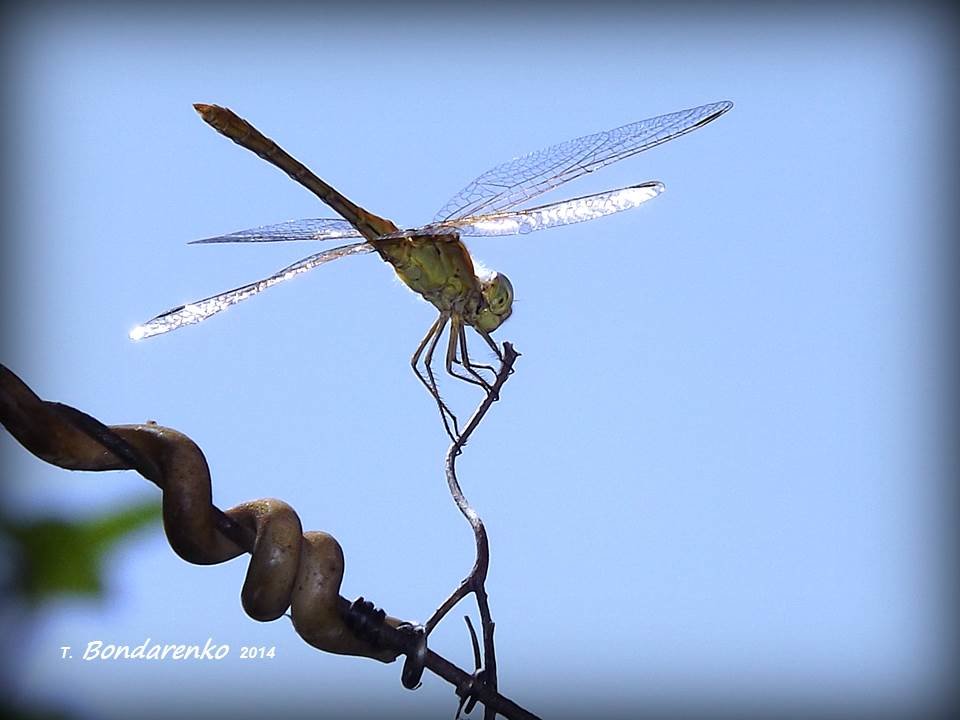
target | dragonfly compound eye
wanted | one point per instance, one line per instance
(498, 293)
(498, 302)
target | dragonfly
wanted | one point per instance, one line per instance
(432, 260)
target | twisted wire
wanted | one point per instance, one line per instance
(288, 568)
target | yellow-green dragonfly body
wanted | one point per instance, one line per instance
(431, 260)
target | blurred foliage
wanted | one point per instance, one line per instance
(52, 557)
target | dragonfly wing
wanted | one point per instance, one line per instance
(202, 309)
(525, 177)
(308, 229)
(567, 212)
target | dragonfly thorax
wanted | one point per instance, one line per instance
(439, 268)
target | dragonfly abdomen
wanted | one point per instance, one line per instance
(229, 124)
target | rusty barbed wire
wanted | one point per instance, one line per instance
(289, 568)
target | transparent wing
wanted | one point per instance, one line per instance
(566, 212)
(526, 177)
(202, 309)
(309, 229)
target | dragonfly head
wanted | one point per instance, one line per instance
(497, 295)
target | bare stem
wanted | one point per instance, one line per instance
(475, 581)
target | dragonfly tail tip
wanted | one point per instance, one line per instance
(205, 111)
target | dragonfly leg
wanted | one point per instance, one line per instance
(491, 342)
(475, 366)
(432, 385)
(457, 337)
(429, 343)
(478, 366)
(465, 361)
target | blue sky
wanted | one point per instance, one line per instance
(715, 474)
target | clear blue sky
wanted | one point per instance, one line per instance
(715, 476)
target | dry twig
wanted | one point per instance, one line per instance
(475, 581)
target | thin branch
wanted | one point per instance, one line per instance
(479, 572)
(475, 581)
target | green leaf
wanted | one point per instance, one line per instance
(55, 557)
